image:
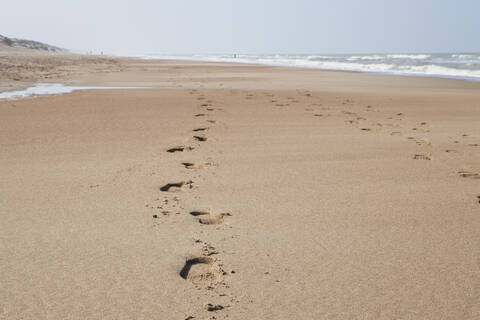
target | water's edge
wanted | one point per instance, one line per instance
(40, 89)
(456, 66)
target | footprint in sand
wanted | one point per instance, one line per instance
(213, 307)
(422, 157)
(200, 115)
(200, 138)
(201, 270)
(191, 165)
(205, 217)
(176, 186)
(468, 174)
(420, 141)
(200, 129)
(179, 149)
(212, 121)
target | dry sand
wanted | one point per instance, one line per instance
(316, 195)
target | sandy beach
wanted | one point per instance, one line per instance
(236, 191)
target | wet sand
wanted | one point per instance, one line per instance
(241, 192)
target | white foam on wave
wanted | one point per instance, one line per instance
(425, 70)
(409, 56)
(375, 67)
(464, 56)
(370, 57)
(41, 89)
(434, 70)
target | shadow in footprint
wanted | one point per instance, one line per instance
(470, 175)
(200, 138)
(213, 307)
(422, 157)
(179, 149)
(176, 186)
(199, 213)
(191, 165)
(200, 129)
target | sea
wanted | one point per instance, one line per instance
(444, 65)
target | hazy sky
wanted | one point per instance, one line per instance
(247, 26)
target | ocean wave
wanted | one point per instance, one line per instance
(464, 66)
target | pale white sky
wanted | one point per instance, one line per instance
(247, 26)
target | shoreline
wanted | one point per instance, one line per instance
(232, 60)
(63, 79)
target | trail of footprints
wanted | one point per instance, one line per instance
(206, 271)
(393, 123)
